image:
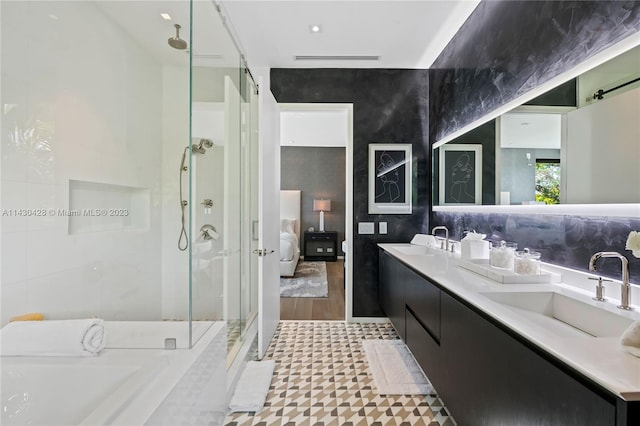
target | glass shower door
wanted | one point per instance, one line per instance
(250, 240)
(224, 185)
(215, 193)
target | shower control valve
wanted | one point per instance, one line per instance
(209, 232)
(208, 204)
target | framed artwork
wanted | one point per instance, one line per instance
(460, 174)
(389, 178)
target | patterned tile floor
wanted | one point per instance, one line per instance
(321, 378)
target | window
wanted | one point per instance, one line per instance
(548, 181)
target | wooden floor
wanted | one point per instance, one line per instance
(318, 308)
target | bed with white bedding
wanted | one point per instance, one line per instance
(289, 231)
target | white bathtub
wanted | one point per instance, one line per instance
(120, 386)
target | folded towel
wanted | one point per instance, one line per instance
(78, 337)
(630, 340)
(474, 236)
(253, 386)
(34, 316)
(424, 240)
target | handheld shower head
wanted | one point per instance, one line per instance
(176, 42)
(200, 147)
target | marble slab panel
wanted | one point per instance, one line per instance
(564, 240)
(507, 48)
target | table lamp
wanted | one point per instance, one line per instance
(321, 206)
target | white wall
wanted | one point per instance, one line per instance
(175, 137)
(314, 128)
(603, 151)
(82, 102)
(619, 70)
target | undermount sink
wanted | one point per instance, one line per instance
(414, 250)
(563, 315)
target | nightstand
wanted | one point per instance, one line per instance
(321, 246)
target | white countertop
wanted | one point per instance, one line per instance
(599, 358)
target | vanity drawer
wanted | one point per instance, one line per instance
(424, 348)
(423, 300)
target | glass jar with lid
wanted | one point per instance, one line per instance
(527, 262)
(502, 255)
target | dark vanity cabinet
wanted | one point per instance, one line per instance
(486, 373)
(507, 381)
(391, 290)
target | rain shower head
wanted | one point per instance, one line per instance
(176, 42)
(200, 147)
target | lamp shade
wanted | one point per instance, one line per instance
(321, 205)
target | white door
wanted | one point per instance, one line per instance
(269, 219)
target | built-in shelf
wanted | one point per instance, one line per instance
(99, 207)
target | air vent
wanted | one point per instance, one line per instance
(336, 58)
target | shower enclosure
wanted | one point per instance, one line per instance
(128, 169)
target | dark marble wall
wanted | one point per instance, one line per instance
(506, 48)
(563, 240)
(389, 106)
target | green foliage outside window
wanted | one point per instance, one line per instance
(548, 182)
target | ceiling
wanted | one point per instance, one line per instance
(530, 130)
(404, 34)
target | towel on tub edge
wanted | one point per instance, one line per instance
(76, 337)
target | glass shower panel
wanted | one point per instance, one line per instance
(85, 138)
(215, 191)
(95, 119)
(249, 136)
(233, 217)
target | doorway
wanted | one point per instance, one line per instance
(316, 153)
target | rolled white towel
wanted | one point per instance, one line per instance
(424, 240)
(77, 337)
(630, 340)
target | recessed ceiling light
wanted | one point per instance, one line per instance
(54, 17)
(166, 16)
(315, 28)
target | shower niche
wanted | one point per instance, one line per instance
(100, 207)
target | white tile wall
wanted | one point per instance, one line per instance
(83, 102)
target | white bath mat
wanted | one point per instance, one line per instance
(394, 370)
(253, 386)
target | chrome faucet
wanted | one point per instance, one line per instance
(446, 236)
(624, 296)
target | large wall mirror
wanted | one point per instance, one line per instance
(578, 143)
